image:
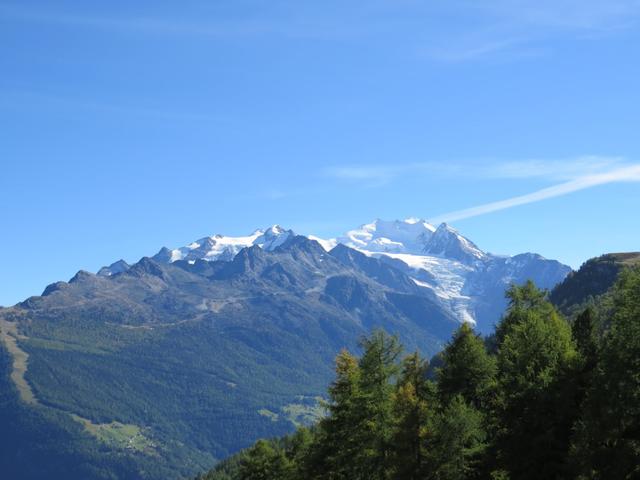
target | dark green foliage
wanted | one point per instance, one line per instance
(467, 369)
(42, 443)
(552, 403)
(337, 442)
(354, 441)
(265, 461)
(525, 302)
(608, 438)
(583, 331)
(594, 278)
(379, 367)
(534, 403)
(414, 406)
(456, 443)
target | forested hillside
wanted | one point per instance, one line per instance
(542, 399)
(594, 279)
(160, 370)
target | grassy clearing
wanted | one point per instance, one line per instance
(119, 435)
(305, 412)
(9, 336)
(629, 259)
(269, 414)
(308, 412)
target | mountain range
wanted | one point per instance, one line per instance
(463, 279)
(159, 368)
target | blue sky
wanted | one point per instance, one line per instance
(126, 126)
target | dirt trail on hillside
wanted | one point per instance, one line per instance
(9, 336)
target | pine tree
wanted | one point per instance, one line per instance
(265, 462)
(467, 369)
(608, 439)
(379, 367)
(535, 394)
(456, 442)
(299, 450)
(414, 404)
(584, 335)
(524, 301)
(336, 445)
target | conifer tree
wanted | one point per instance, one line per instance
(535, 397)
(455, 443)
(414, 404)
(524, 301)
(337, 442)
(608, 438)
(265, 462)
(379, 367)
(467, 369)
(584, 336)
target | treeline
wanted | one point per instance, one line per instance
(541, 399)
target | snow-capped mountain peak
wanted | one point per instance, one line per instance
(450, 267)
(221, 247)
(448, 243)
(272, 237)
(396, 236)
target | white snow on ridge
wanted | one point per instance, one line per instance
(427, 251)
(326, 244)
(408, 236)
(440, 259)
(450, 278)
(440, 254)
(450, 274)
(220, 247)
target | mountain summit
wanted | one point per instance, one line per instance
(220, 247)
(398, 236)
(466, 281)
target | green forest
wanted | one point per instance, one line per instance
(545, 397)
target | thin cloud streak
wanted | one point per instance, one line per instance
(627, 174)
(563, 169)
(380, 175)
(514, 30)
(553, 170)
(473, 51)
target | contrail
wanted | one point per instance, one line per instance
(626, 174)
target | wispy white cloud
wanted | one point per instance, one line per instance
(557, 169)
(490, 27)
(379, 175)
(565, 14)
(624, 174)
(515, 29)
(551, 169)
(373, 175)
(576, 174)
(476, 50)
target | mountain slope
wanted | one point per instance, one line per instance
(594, 278)
(197, 356)
(467, 281)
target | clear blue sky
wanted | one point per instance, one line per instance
(126, 126)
